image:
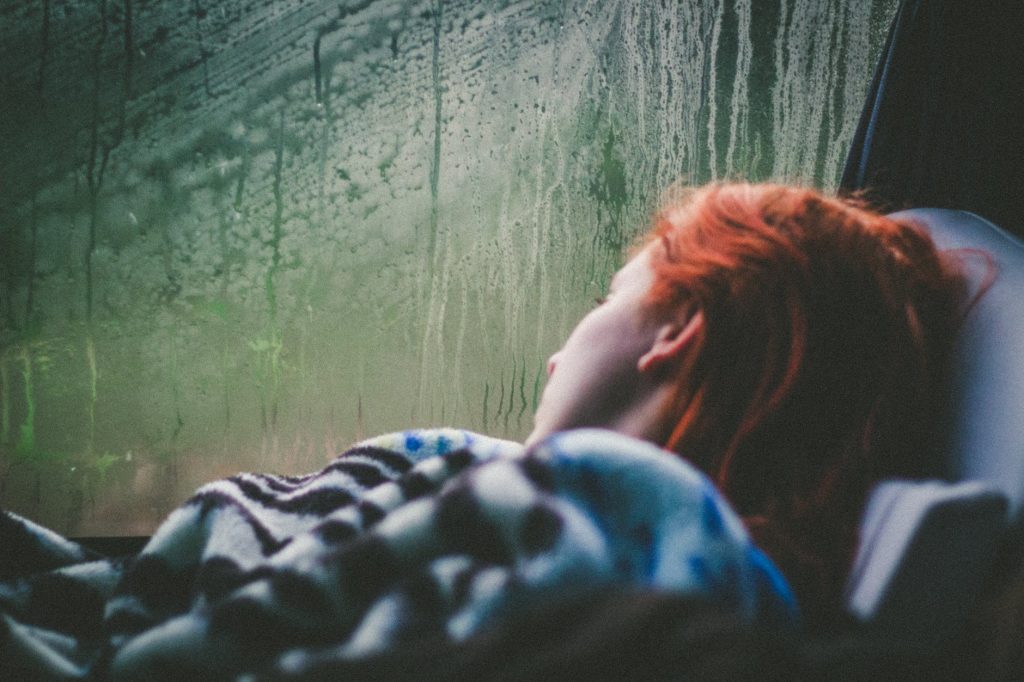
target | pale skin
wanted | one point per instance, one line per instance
(615, 370)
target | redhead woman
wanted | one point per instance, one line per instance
(765, 356)
(790, 345)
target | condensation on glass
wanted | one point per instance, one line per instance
(241, 235)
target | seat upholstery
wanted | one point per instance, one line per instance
(927, 547)
(986, 434)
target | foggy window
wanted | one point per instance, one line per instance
(239, 235)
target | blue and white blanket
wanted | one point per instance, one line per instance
(434, 533)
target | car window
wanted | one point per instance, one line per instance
(243, 235)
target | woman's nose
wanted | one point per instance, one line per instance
(552, 361)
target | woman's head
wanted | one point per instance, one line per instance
(611, 370)
(787, 343)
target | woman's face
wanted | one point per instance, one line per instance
(596, 378)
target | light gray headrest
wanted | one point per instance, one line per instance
(927, 546)
(986, 438)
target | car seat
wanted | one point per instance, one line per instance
(928, 547)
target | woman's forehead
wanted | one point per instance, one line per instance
(641, 258)
(636, 268)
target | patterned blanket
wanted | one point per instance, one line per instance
(407, 536)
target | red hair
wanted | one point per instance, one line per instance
(819, 368)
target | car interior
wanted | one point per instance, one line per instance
(940, 561)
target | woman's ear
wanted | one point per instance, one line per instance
(671, 341)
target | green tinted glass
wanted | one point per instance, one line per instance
(241, 235)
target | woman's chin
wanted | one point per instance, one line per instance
(534, 436)
(542, 428)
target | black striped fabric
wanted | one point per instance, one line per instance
(419, 536)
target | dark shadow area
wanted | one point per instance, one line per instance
(941, 125)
